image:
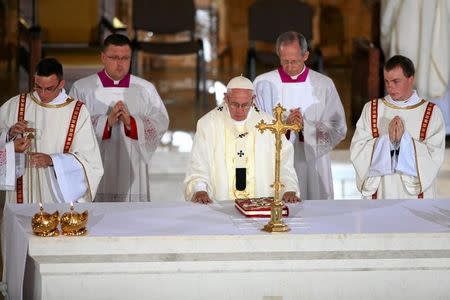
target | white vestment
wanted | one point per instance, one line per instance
(215, 157)
(324, 125)
(409, 172)
(11, 165)
(75, 173)
(126, 160)
(420, 30)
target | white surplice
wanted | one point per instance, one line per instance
(74, 175)
(126, 160)
(411, 171)
(324, 125)
(214, 157)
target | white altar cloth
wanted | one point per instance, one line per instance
(172, 250)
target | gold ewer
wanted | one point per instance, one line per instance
(45, 224)
(74, 223)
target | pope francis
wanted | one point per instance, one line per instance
(230, 159)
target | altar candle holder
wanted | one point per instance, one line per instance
(45, 224)
(74, 223)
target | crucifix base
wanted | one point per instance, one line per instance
(276, 223)
(276, 227)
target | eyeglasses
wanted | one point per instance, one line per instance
(244, 106)
(119, 58)
(295, 62)
(50, 89)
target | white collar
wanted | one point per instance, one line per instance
(116, 82)
(61, 98)
(414, 99)
(296, 76)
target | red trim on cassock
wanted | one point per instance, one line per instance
(374, 117)
(20, 117)
(374, 126)
(72, 126)
(423, 129)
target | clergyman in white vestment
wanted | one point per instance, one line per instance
(311, 100)
(64, 163)
(129, 119)
(399, 142)
(231, 159)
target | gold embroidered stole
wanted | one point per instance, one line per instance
(239, 153)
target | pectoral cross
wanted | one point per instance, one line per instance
(278, 128)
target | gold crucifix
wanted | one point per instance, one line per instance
(278, 128)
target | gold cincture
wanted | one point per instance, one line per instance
(278, 128)
(74, 223)
(45, 224)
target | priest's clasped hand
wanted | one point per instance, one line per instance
(396, 130)
(119, 113)
(201, 197)
(291, 197)
(39, 160)
(295, 117)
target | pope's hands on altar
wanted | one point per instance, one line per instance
(40, 160)
(201, 197)
(119, 112)
(291, 197)
(295, 117)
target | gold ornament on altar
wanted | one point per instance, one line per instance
(45, 224)
(278, 128)
(74, 223)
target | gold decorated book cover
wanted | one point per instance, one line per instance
(257, 207)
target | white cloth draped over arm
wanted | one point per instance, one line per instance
(69, 181)
(381, 159)
(12, 165)
(201, 162)
(406, 163)
(7, 167)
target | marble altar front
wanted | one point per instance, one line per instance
(397, 249)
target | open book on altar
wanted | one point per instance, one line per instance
(257, 207)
